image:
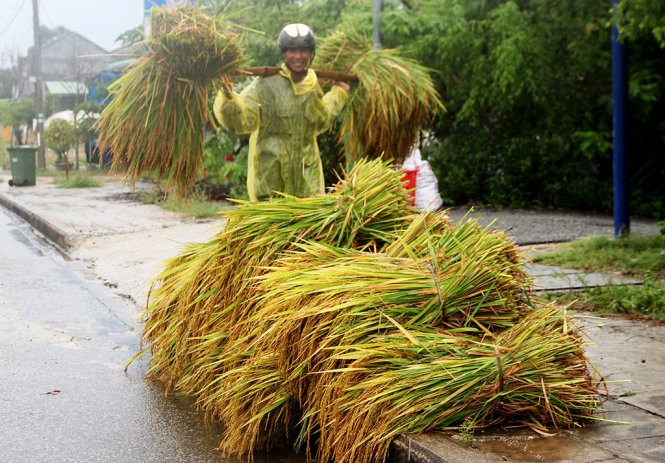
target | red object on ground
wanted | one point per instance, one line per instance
(409, 180)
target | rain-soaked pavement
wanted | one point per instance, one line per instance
(64, 392)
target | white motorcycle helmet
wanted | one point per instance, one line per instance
(296, 36)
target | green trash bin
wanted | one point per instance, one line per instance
(23, 162)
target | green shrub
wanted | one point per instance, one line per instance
(78, 181)
(229, 176)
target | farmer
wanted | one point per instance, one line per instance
(284, 114)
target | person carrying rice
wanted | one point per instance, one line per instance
(284, 114)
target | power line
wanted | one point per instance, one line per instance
(13, 17)
(44, 13)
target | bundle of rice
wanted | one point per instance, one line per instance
(208, 288)
(312, 279)
(534, 374)
(330, 325)
(339, 321)
(471, 285)
(317, 298)
(155, 119)
(395, 98)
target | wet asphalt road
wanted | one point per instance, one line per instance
(64, 394)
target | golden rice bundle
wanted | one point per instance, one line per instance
(395, 98)
(342, 320)
(155, 119)
(318, 297)
(308, 342)
(470, 289)
(207, 289)
(534, 374)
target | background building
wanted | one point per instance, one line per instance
(68, 63)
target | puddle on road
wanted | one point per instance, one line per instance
(527, 446)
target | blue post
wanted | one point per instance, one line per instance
(376, 33)
(619, 97)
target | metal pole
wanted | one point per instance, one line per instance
(39, 90)
(376, 33)
(620, 98)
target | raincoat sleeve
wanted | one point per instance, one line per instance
(334, 100)
(331, 104)
(238, 113)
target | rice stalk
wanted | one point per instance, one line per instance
(158, 109)
(395, 98)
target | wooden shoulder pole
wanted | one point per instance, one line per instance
(265, 71)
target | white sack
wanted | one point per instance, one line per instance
(427, 186)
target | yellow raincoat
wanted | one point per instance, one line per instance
(284, 119)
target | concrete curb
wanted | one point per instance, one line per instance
(403, 449)
(53, 233)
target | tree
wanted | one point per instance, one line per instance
(641, 25)
(60, 136)
(87, 114)
(17, 114)
(131, 36)
(639, 18)
(526, 85)
(8, 78)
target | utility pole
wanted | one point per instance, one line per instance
(39, 89)
(619, 98)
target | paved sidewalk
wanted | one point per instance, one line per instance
(117, 238)
(124, 243)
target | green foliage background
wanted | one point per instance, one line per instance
(15, 114)
(527, 86)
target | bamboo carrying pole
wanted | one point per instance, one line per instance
(266, 71)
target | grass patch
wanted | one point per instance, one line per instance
(633, 255)
(197, 205)
(637, 256)
(77, 180)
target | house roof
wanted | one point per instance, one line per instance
(68, 39)
(65, 87)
